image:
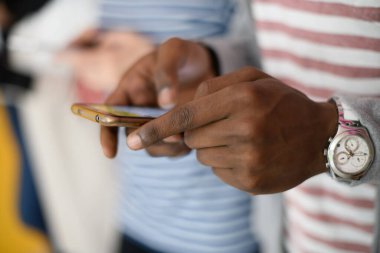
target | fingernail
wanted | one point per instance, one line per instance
(107, 152)
(166, 98)
(134, 141)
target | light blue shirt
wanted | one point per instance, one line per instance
(178, 205)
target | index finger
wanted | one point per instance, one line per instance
(192, 115)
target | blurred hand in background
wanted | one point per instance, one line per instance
(99, 58)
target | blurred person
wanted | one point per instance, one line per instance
(262, 134)
(167, 204)
(22, 219)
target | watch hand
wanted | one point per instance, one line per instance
(360, 154)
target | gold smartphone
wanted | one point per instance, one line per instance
(117, 116)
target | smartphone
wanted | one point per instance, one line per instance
(117, 116)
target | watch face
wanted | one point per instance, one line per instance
(351, 154)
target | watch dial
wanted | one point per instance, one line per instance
(351, 154)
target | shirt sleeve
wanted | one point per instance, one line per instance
(239, 47)
(368, 110)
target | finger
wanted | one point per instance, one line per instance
(182, 118)
(168, 150)
(220, 157)
(108, 135)
(108, 140)
(247, 74)
(171, 56)
(136, 86)
(118, 97)
(133, 89)
(174, 139)
(213, 135)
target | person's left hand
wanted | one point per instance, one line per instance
(257, 133)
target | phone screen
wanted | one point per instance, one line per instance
(129, 111)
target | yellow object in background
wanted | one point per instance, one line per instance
(15, 236)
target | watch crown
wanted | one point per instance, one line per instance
(327, 166)
(330, 139)
(325, 152)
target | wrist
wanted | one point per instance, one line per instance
(332, 118)
(329, 127)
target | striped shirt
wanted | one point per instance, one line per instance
(177, 205)
(322, 47)
(160, 20)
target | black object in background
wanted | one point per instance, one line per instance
(18, 9)
(21, 8)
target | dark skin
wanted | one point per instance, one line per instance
(257, 133)
(162, 78)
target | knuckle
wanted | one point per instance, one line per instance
(247, 130)
(250, 161)
(174, 42)
(250, 97)
(232, 90)
(253, 184)
(183, 118)
(249, 183)
(203, 89)
(250, 92)
(249, 71)
(246, 94)
(252, 177)
(149, 135)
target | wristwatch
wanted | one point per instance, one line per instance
(351, 152)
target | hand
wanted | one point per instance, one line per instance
(99, 59)
(166, 77)
(257, 133)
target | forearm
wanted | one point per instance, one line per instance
(368, 111)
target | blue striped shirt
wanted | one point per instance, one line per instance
(162, 19)
(176, 205)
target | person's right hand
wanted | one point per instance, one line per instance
(166, 77)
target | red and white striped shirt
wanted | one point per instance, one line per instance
(322, 47)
